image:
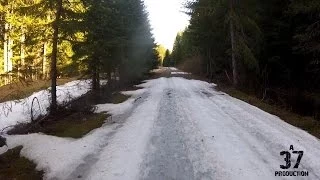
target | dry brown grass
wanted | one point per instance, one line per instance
(15, 167)
(75, 126)
(21, 90)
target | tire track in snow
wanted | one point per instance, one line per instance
(167, 156)
(193, 131)
(83, 170)
(262, 140)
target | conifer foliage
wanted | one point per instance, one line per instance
(52, 38)
(261, 44)
(268, 47)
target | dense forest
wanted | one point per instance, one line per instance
(269, 48)
(46, 39)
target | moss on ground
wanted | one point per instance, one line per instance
(15, 167)
(117, 98)
(75, 126)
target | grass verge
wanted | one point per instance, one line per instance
(117, 98)
(15, 167)
(75, 126)
(306, 123)
(21, 90)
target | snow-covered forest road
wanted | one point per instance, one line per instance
(184, 129)
(175, 128)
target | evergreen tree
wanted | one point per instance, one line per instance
(117, 41)
(269, 47)
(176, 54)
(167, 59)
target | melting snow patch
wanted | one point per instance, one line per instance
(58, 157)
(179, 73)
(223, 137)
(18, 111)
(115, 109)
(173, 69)
(134, 93)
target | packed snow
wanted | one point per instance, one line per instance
(173, 69)
(18, 111)
(179, 73)
(134, 93)
(114, 109)
(59, 157)
(175, 128)
(125, 152)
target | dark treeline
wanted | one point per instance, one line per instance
(167, 60)
(52, 38)
(119, 40)
(268, 47)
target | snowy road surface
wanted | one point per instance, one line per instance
(176, 129)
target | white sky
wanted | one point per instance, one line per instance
(166, 20)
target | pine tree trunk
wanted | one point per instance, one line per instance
(44, 61)
(109, 78)
(6, 49)
(10, 51)
(22, 51)
(95, 73)
(7, 53)
(22, 54)
(233, 56)
(95, 80)
(53, 107)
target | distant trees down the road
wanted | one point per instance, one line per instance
(167, 60)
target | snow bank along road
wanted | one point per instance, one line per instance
(18, 111)
(176, 128)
